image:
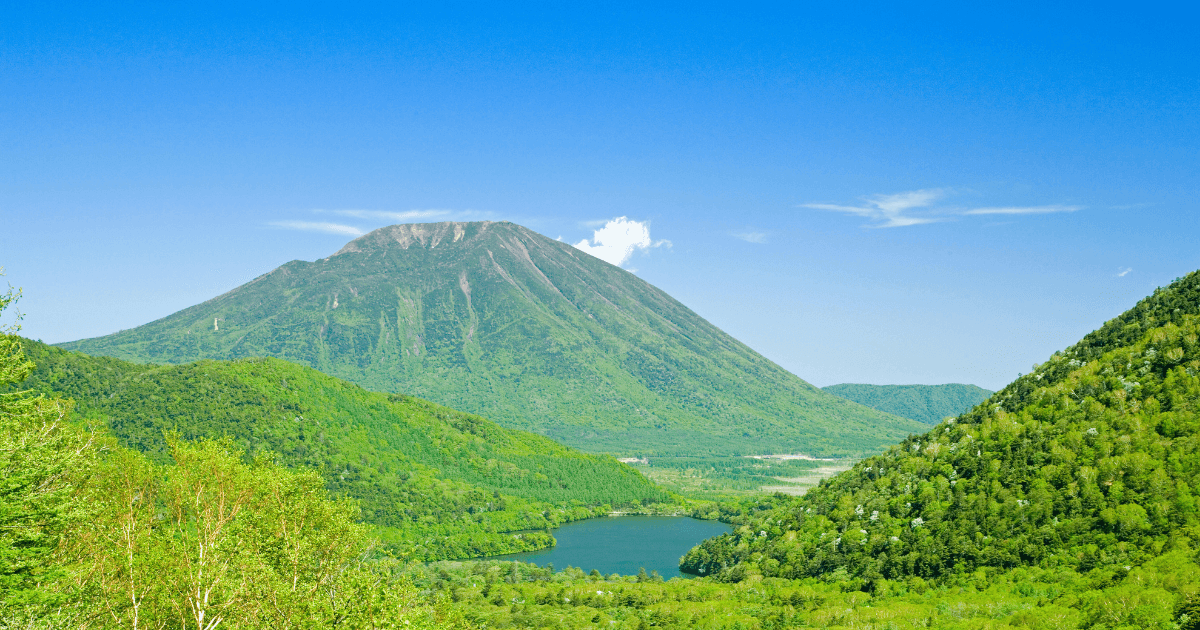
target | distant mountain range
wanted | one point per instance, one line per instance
(926, 403)
(497, 320)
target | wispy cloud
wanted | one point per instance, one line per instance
(889, 210)
(391, 215)
(1124, 271)
(751, 237)
(319, 226)
(616, 242)
(1024, 209)
(917, 207)
(368, 220)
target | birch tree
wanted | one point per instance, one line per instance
(41, 456)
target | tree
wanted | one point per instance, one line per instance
(41, 456)
(100, 536)
(217, 540)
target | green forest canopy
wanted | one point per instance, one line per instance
(1091, 461)
(1038, 528)
(434, 482)
(95, 535)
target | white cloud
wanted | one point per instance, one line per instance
(319, 226)
(616, 242)
(889, 210)
(1124, 271)
(751, 237)
(1025, 209)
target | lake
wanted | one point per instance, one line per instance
(624, 544)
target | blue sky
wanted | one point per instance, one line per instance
(877, 194)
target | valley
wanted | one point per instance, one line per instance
(1066, 499)
(599, 316)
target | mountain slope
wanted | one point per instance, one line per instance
(1092, 462)
(497, 320)
(924, 403)
(435, 483)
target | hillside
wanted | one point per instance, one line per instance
(433, 482)
(924, 403)
(93, 535)
(96, 536)
(1091, 464)
(497, 320)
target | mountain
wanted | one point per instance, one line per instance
(433, 482)
(924, 403)
(497, 320)
(1091, 463)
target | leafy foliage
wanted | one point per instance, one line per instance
(1159, 594)
(214, 540)
(38, 454)
(434, 482)
(98, 536)
(1066, 500)
(497, 320)
(926, 403)
(1091, 462)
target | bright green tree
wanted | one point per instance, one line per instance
(218, 540)
(40, 456)
(93, 535)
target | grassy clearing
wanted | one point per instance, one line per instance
(800, 484)
(712, 478)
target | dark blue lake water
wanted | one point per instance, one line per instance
(624, 544)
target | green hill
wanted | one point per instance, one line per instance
(494, 319)
(434, 482)
(924, 403)
(1089, 464)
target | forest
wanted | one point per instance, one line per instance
(432, 482)
(1068, 499)
(1089, 461)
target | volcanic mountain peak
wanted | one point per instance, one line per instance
(498, 320)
